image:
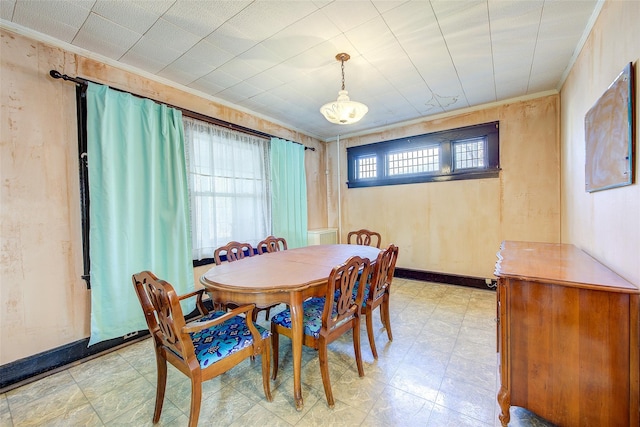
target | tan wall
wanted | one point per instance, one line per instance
(44, 302)
(456, 227)
(606, 224)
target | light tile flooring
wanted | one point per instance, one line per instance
(440, 370)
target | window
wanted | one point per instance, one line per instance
(414, 161)
(466, 153)
(469, 154)
(229, 186)
(367, 167)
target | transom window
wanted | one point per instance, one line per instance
(414, 161)
(471, 152)
(367, 167)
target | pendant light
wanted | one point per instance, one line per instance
(343, 111)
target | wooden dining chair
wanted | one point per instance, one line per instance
(232, 251)
(378, 292)
(327, 318)
(201, 349)
(272, 244)
(364, 237)
(268, 245)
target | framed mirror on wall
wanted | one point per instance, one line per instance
(609, 136)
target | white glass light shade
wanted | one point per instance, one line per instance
(343, 111)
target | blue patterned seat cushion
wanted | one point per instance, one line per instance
(312, 318)
(219, 341)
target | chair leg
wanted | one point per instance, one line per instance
(324, 370)
(372, 341)
(161, 363)
(196, 399)
(266, 351)
(387, 320)
(275, 339)
(356, 346)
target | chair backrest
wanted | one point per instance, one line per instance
(162, 311)
(340, 302)
(272, 244)
(364, 237)
(383, 272)
(233, 250)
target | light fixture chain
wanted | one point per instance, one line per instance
(342, 66)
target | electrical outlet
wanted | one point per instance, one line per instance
(487, 282)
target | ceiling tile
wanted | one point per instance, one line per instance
(260, 57)
(242, 69)
(310, 31)
(232, 40)
(221, 77)
(383, 6)
(209, 86)
(203, 17)
(469, 46)
(171, 36)
(185, 70)
(514, 32)
(101, 35)
(267, 100)
(266, 18)
(128, 14)
(243, 90)
(543, 80)
(350, 14)
(149, 55)
(410, 19)
(266, 80)
(208, 53)
(285, 72)
(372, 35)
(61, 19)
(6, 9)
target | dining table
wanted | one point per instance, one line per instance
(289, 276)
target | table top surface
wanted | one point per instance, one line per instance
(290, 269)
(558, 263)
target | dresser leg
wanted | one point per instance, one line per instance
(504, 400)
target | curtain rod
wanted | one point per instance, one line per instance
(80, 81)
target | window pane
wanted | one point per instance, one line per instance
(469, 154)
(229, 186)
(367, 167)
(415, 161)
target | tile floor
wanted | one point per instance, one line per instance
(440, 370)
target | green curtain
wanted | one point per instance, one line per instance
(288, 192)
(139, 205)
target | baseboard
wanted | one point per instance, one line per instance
(452, 279)
(32, 368)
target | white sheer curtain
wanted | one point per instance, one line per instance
(229, 186)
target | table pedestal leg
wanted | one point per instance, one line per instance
(297, 331)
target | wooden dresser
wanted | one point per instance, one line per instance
(567, 337)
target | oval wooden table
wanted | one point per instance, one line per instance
(289, 277)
